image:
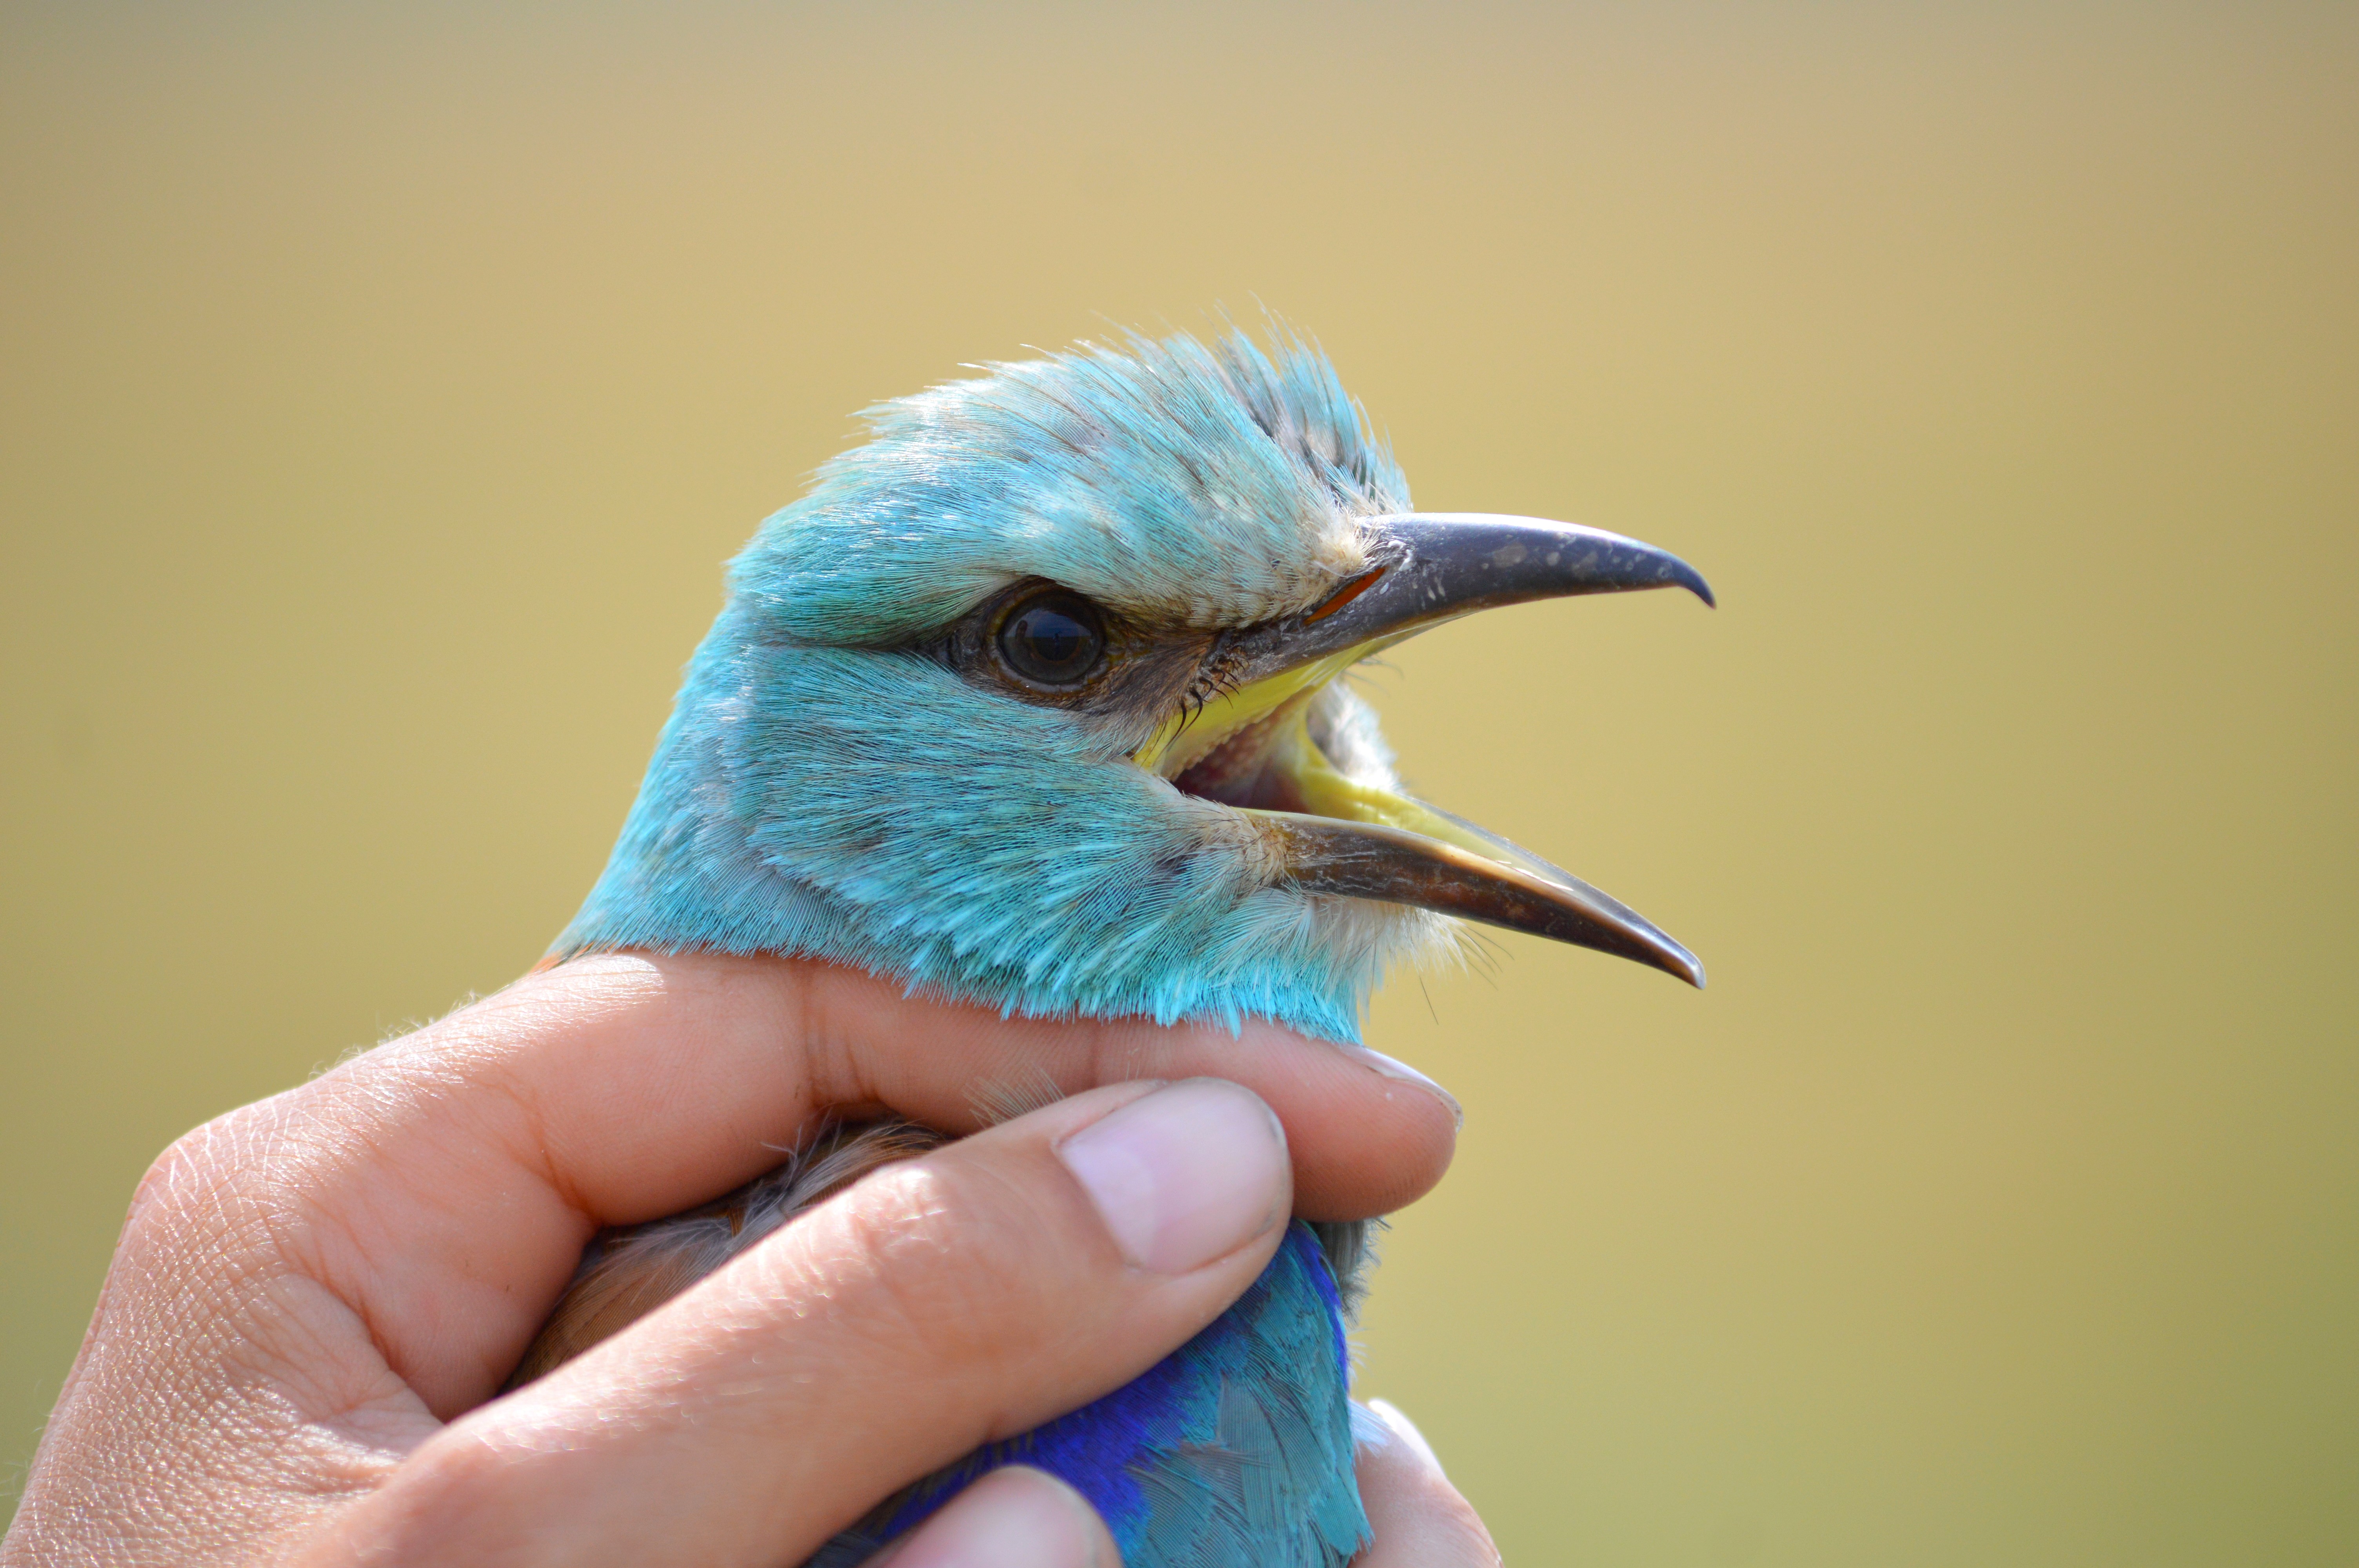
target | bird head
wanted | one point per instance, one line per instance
(1036, 700)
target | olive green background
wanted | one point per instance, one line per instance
(385, 386)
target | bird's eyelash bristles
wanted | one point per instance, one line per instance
(1221, 675)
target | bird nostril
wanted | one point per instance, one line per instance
(1345, 595)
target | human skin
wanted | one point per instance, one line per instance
(297, 1352)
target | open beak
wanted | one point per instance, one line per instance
(1254, 747)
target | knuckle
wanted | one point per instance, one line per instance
(217, 1198)
(446, 1501)
(193, 1166)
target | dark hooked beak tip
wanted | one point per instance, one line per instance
(1362, 860)
(1423, 568)
(1427, 567)
(1473, 560)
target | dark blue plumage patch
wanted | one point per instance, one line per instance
(1234, 1449)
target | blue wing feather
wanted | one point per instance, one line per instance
(1234, 1449)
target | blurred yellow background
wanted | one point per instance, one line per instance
(385, 386)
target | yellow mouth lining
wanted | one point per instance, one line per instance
(1325, 790)
(1186, 738)
(1253, 753)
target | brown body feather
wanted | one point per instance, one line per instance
(629, 1271)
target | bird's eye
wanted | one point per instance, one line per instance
(1054, 637)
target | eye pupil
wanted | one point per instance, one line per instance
(1054, 638)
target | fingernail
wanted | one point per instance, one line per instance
(1406, 1430)
(1392, 1069)
(1014, 1518)
(1189, 1173)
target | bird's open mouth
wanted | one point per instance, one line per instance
(1254, 748)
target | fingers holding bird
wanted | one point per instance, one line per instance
(1014, 1518)
(1019, 1517)
(1419, 1517)
(468, 1164)
(682, 1075)
(938, 1304)
(316, 1296)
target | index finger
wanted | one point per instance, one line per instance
(467, 1163)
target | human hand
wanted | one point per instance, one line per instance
(316, 1298)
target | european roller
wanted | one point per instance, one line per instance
(1035, 700)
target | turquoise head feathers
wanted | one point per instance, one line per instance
(1033, 700)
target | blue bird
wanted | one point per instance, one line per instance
(1033, 701)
